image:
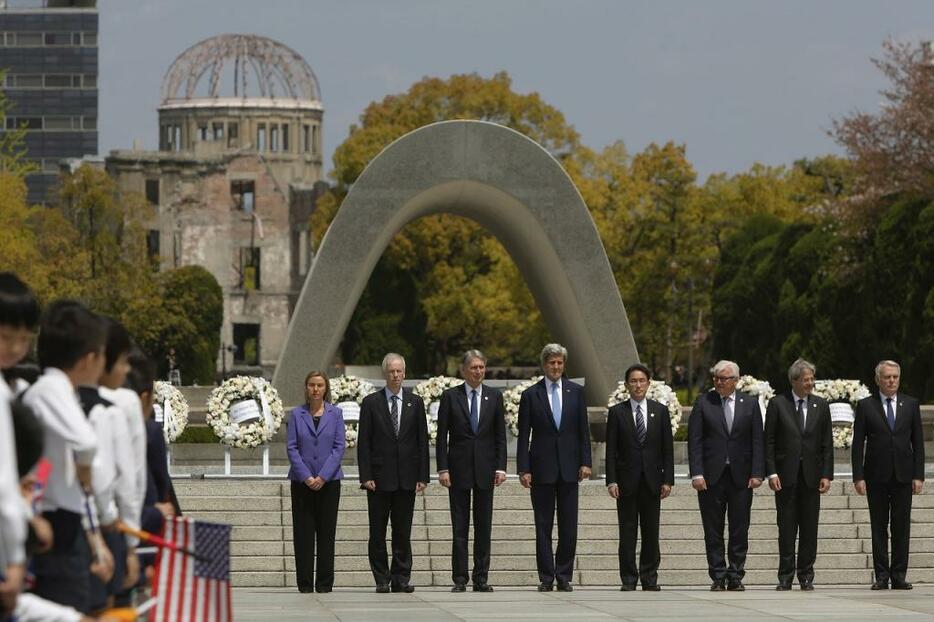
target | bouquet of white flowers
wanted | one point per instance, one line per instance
(511, 399)
(174, 409)
(430, 391)
(760, 389)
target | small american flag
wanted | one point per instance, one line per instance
(193, 588)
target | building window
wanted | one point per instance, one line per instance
(233, 130)
(25, 39)
(152, 244)
(314, 139)
(306, 137)
(274, 138)
(202, 133)
(242, 192)
(152, 191)
(261, 137)
(89, 39)
(246, 342)
(217, 128)
(249, 269)
(60, 38)
(285, 138)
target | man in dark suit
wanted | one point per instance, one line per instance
(392, 456)
(552, 456)
(471, 456)
(640, 471)
(888, 467)
(727, 462)
(799, 460)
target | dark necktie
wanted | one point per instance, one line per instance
(640, 425)
(801, 414)
(890, 413)
(474, 412)
(394, 413)
(728, 414)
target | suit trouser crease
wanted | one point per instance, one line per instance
(890, 504)
(639, 511)
(397, 506)
(726, 499)
(460, 502)
(547, 500)
(797, 510)
(314, 526)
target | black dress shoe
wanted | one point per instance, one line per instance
(880, 585)
(482, 587)
(459, 587)
(807, 586)
(323, 590)
(653, 587)
(717, 586)
(901, 585)
(564, 586)
(627, 588)
(306, 590)
(407, 588)
(382, 588)
(783, 586)
(545, 587)
(735, 586)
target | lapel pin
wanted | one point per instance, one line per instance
(408, 403)
(651, 414)
(486, 397)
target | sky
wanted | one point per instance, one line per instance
(736, 81)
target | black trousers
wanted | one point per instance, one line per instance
(641, 509)
(460, 499)
(63, 574)
(797, 510)
(314, 524)
(399, 506)
(889, 502)
(725, 498)
(546, 499)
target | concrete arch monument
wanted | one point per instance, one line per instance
(508, 184)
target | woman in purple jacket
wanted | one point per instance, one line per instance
(315, 444)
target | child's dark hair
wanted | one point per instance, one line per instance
(18, 304)
(67, 332)
(142, 373)
(119, 342)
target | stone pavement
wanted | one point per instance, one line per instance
(694, 604)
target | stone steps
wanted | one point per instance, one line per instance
(261, 549)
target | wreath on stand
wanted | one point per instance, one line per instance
(347, 392)
(759, 389)
(171, 410)
(658, 391)
(244, 412)
(511, 398)
(842, 395)
(430, 391)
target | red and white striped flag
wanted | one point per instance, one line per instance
(193, 588)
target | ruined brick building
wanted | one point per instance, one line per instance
(234, 182)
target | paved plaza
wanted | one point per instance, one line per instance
(695, 604)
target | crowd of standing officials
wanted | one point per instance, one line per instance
(730, 454)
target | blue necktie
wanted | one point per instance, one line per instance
(474, 412)
(890, 413)
(555, 405)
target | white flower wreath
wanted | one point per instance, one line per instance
(237, 392)
(843, 391)
(430, 391)
(350, 389)
(759, 389)
(511, 397)
(658, 391)
(173, 408)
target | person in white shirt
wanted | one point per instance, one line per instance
(70, 349)
(19, 313)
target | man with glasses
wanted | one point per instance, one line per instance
(726, 456)
(639, 474)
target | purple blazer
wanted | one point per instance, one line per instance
(314, 452)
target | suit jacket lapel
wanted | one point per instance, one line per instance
(484, 408)
(305, 417)
(386, 416)
(542, 390)
(627, 422)
(718, 399)
(810, 419)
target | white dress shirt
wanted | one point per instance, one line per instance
(644, 404)
(548, 390)
(131, 458)
(69, 438)
(12, 522)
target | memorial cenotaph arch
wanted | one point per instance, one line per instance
(509, 185)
